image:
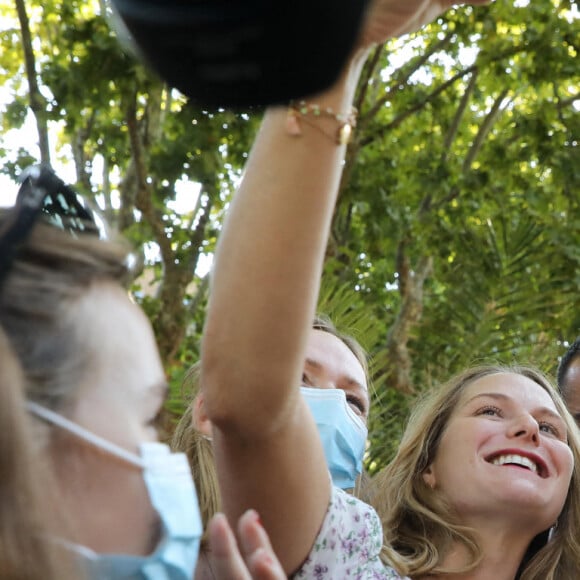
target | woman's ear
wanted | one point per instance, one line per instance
(429, 477)
(199, 417)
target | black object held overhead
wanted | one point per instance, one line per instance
(241, 53)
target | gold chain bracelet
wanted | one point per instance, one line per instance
(311, 112)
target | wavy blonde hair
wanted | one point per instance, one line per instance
(199, 451)
(420, 527)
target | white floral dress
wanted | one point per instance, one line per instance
(348, 544)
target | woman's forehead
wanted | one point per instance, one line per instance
(329, 351)
(509, 386)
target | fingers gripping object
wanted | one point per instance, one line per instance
(238, 53)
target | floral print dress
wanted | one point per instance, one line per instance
(348, 544)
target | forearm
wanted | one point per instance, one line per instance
(269, 260)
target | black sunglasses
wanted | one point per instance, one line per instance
(43, 194)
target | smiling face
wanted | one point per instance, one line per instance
(504, 452)
(330, 364)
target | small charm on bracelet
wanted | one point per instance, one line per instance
(312, 114)
(344, 134)
(292, 123)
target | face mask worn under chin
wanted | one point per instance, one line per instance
(171, 490)
(342, 432)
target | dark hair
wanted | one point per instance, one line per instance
(571, 354)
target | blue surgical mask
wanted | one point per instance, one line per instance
(171, 490)
(342, 432)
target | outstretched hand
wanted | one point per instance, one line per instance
(254, 559)
(391, 18)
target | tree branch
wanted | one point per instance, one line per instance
(451, 134)
(380, 133)
(403, 75)
(37, 101)
(484, 129)
(143, 198)
(411, 284)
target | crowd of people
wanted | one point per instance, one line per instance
(264, 477)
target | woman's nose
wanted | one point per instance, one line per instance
(525, 427)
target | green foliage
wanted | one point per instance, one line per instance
(465, 170)
(483, 187)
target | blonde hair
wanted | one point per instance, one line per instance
(420, 527)
(51, 271)
(198, 448)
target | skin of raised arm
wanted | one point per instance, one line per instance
(268, 262)
(264, 289)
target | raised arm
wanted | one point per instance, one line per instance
(263, 295)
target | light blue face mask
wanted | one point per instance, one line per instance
(342, 432)
(172, 493)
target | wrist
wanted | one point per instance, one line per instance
(337, 126)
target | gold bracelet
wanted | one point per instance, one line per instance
(300, 110)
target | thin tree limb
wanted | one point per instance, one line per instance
(403, 74)
(380, 133)
(37, 101)
(484, 130)
(453, 129)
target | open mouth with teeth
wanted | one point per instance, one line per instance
(520, 461)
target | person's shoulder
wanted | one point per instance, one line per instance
(362, 519)
(348, 544)
(348, 507)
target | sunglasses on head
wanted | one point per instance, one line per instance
(43, 194)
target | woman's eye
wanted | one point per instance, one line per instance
(356, 403)
(490, 410)
(305, 379)
(155, 421)
(549, 428)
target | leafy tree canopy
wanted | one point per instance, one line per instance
(456, 238)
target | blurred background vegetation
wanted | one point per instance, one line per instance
(456, 238)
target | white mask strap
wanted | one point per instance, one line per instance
(79, 431)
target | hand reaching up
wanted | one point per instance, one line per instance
(390, 18)
(253, 560)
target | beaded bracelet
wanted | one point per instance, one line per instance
(301, 110)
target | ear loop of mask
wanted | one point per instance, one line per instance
(84, 434)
